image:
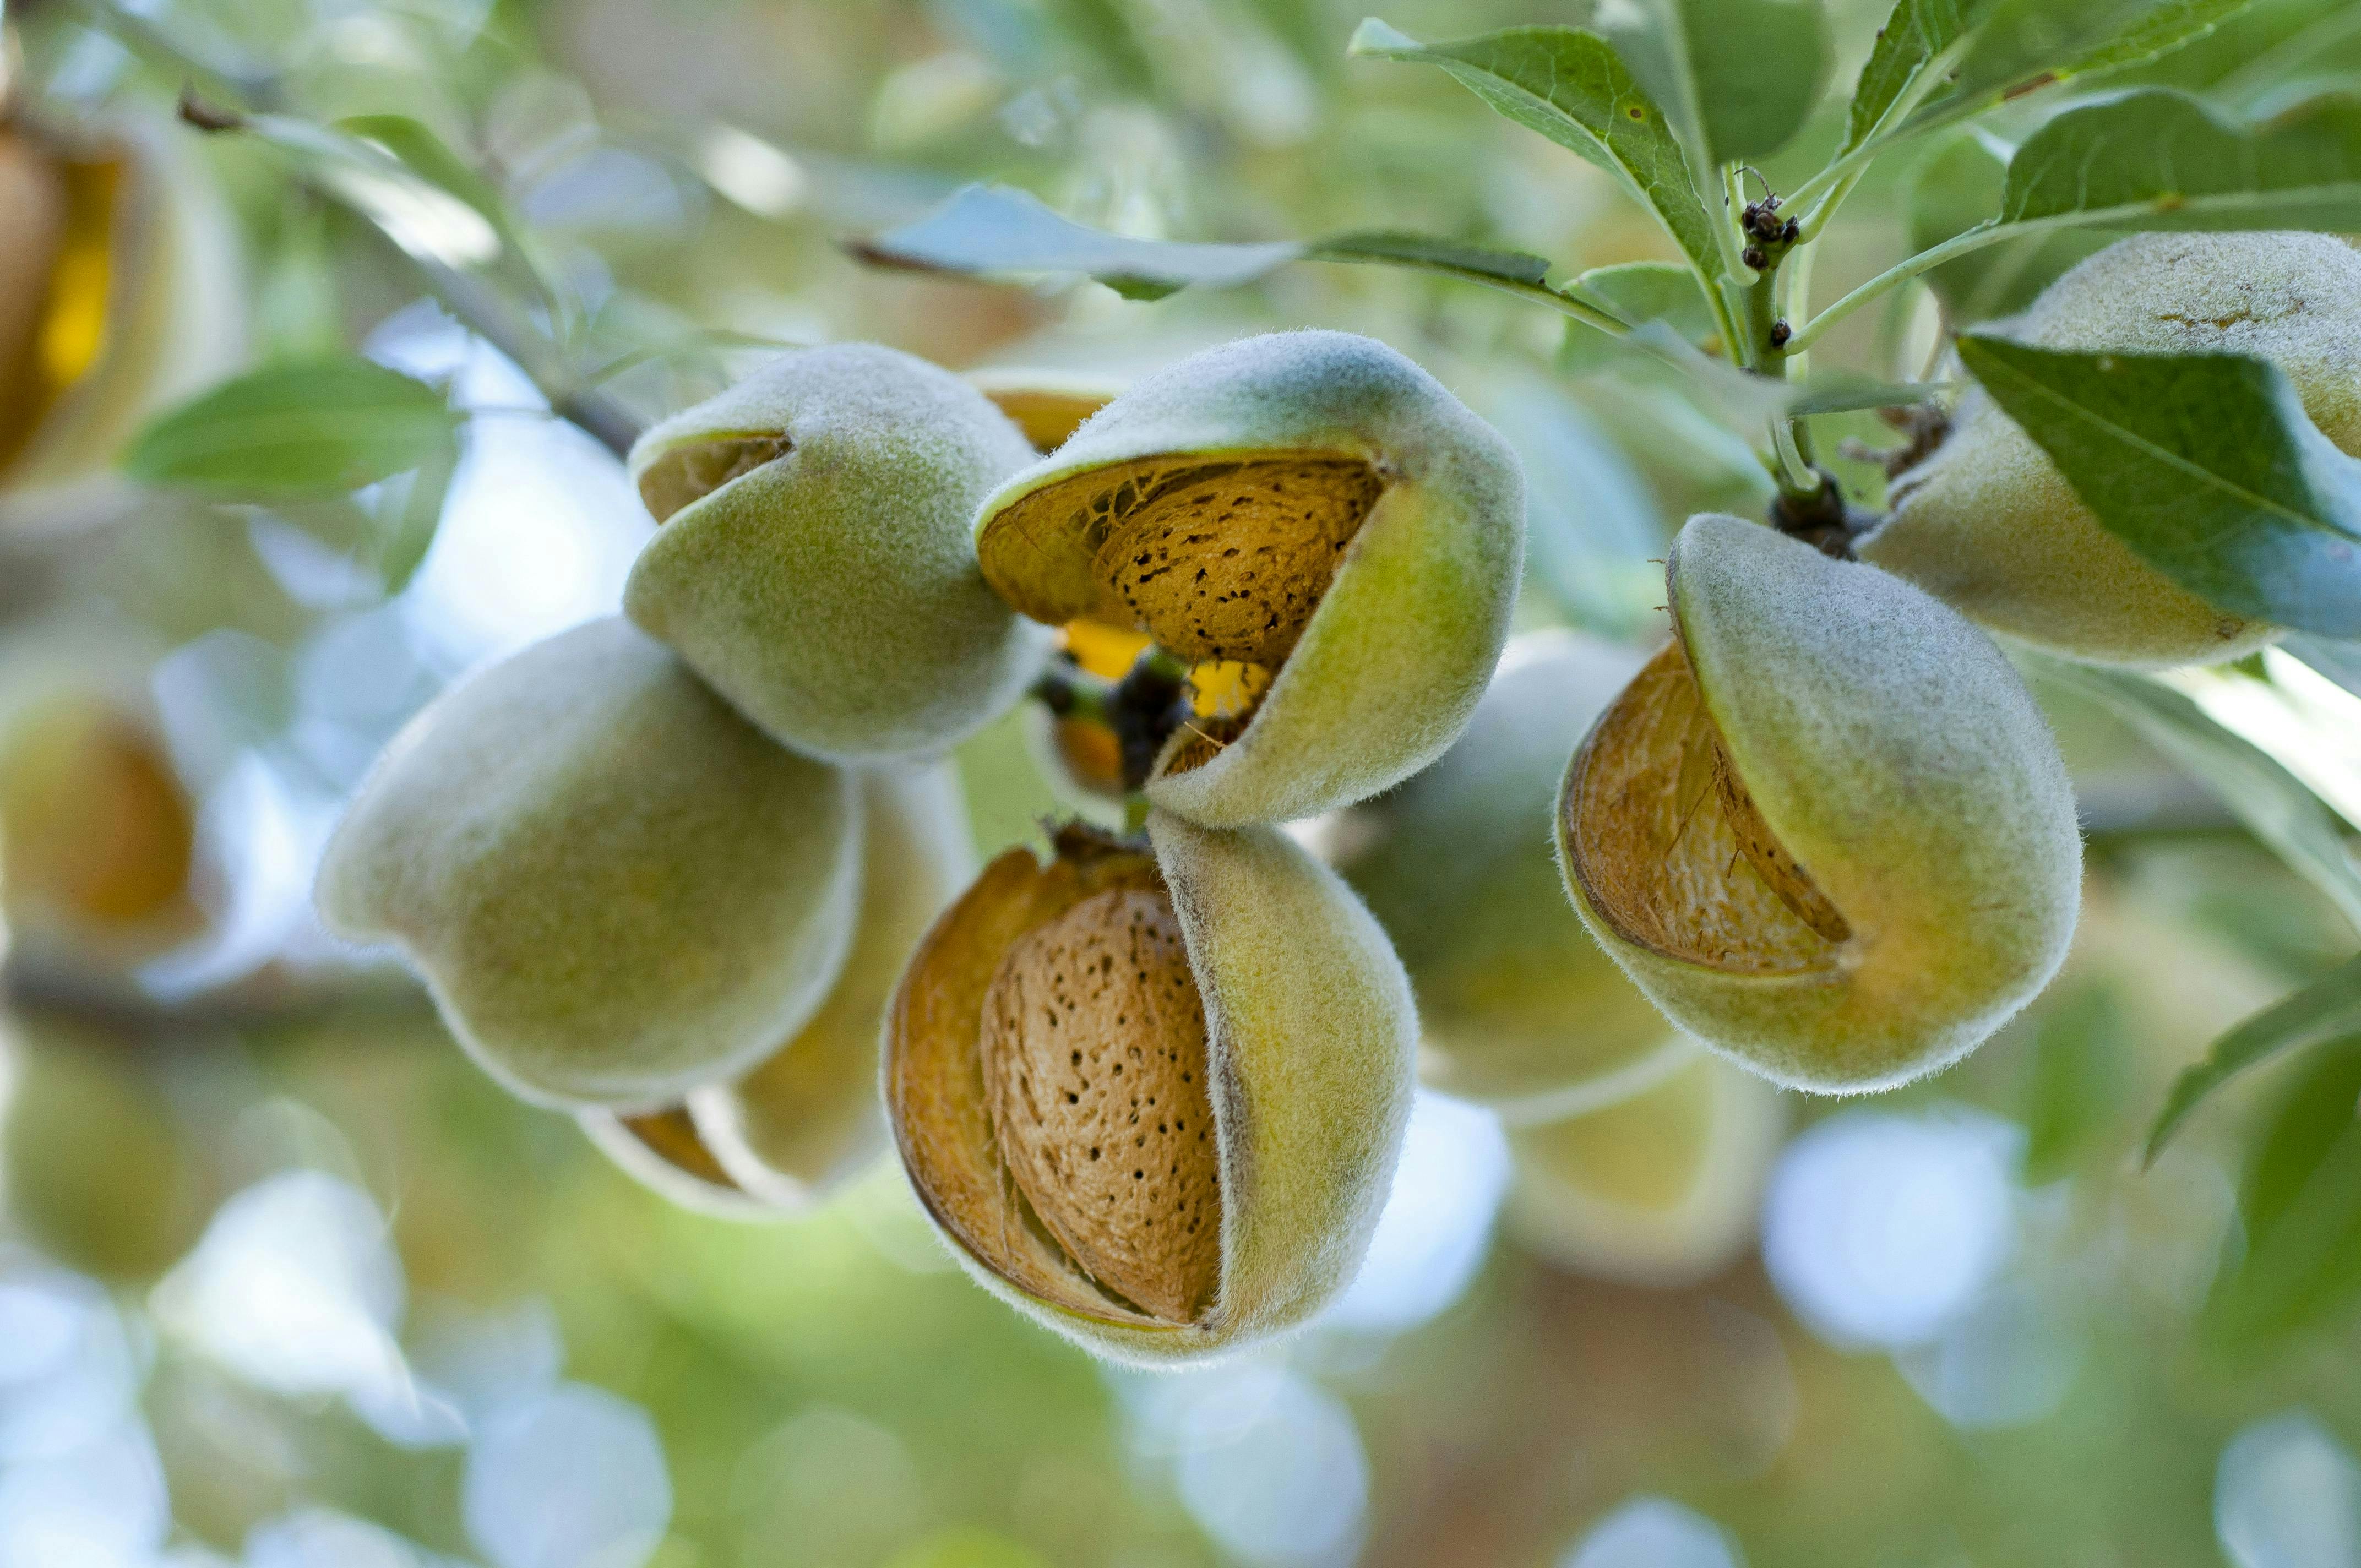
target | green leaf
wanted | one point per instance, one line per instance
(410, 515)
(1474, 261)
(2271, 803)
(1916, 32)
(2160, 159)
(1841, 391)
(1591, 519)
(2339, 661)
(2080, 1053)
(1956, 189)
(995, 229)
(2299, 1206)
(298, 430)
(2270, 800)
(2021, 45)
(2204, 464)
(1756, 68)
(425, 155)
(1637, 292)
(1571, 86)
(419, 214)
(2324, 1010)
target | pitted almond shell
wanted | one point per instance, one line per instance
(1826, 830)
(615, 887)
(1987, 522)
(1520, 1011)
(1308, 1034)
(808, 1118)
(1094, 1062)
(1660, 1189)
(1310, 518)
(662, 1151)
(814, 563)
(140, 305)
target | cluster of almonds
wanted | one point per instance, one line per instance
(686, 872)
(675, 870)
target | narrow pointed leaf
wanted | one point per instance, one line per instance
(1638, 292)
(1571, 86)
(2340, 660)
(1757, 67)
(1480, 263)
(2160, 159)
(1956, 189)
(990, 230)
(298, 430)
(2024, 45)
(2270, 801)
(2300, 1206)
(2322, 1011)
(1913, 36)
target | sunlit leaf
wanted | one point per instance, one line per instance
(418, 215)
(424, 154)
(295, 431)
(2254, 786)
(2300, 1206)
(2160, 159)
(1574, 88)
(2206, 465)
(2340, 660)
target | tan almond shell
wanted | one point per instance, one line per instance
(1988, 523)
(1311, 1032)
(1049, 406)
(663, 1152)
(1520, 1011)
(1894, 755)
(176, 323)
(829, 588)
(1390, 665)
(808, 1118)
(1095, 1058)
(615, 888)
(1659, 1190)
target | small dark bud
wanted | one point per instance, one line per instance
(1752, 256)
(1780, 333)
(1792, 232)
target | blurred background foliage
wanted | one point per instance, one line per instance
(286, 1283)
